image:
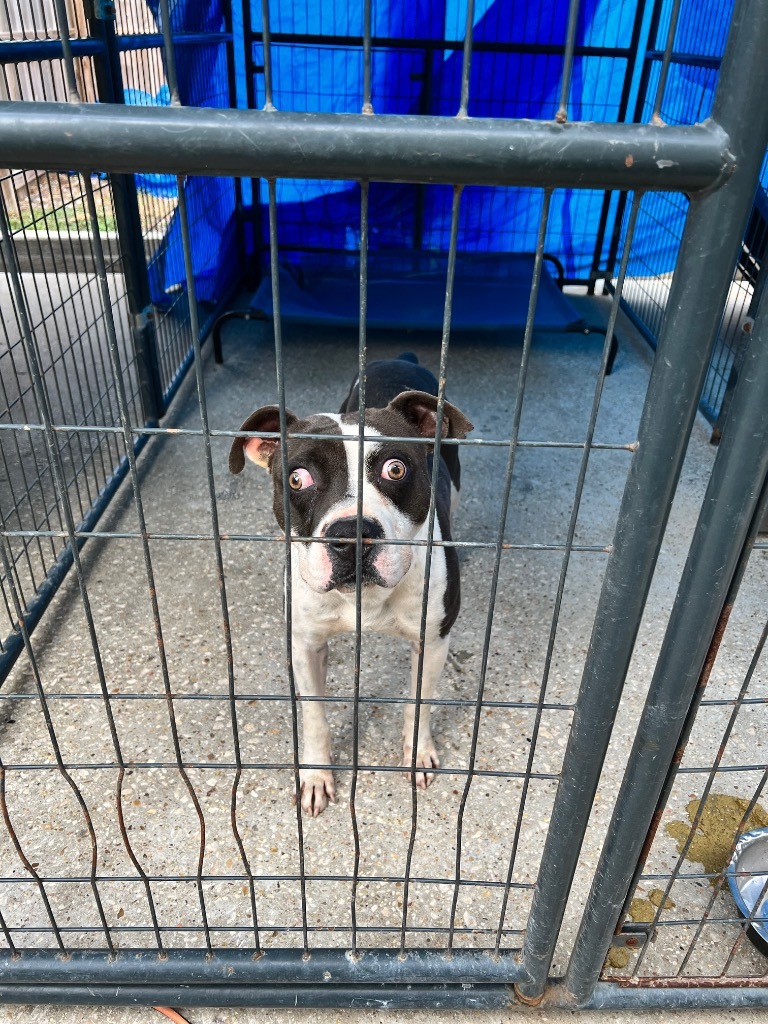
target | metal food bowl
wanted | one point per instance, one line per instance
(751, 855)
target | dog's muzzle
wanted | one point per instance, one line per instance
(341, 538)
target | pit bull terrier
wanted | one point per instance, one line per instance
(323, 483)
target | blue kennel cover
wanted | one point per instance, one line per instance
(313, 76)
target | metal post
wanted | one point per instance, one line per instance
(109, 85)
(727, 512)
(707, 256)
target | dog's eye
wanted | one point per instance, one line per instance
(394, 469)
(299, 479)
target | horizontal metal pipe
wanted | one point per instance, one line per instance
(291, 967)
(147, 41)
(408, 148)
(21, 51)
(361, 997)
(611, 996)
(607, 996)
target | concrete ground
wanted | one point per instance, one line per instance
(160, 818)
(146, 1015)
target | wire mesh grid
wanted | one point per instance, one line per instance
(165, 759)
(65, 314)
(148, 739)
(51, 232)
(417, 66)
(683, 902)
(199, 736)
(679, 77)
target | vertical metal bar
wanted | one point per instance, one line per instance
(701, 683)
(708, 253)
(66, 46)
(467, 59)
(278, 332)
(439, 412)
(701, 686)
(128, 440)
(59, 476)
(425, 107)
(666, 59)
(367, 105)
(109, 84)
(511, 458)
(30, 867)
(250, 99)
(266, 38)
(194, 318)
(727, 512)
(216, 535)
(238, 182)
(361, 383)
(168, 51)
(125, 420)
(713, 771)
(634, 49)
(68, 520)
(580, 482)
(640, 100)
(15, 839)
(570, 43)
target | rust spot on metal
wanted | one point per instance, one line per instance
(526, 1000)
(714, 646)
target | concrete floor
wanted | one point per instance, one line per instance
(159, 814)
(146, 1015)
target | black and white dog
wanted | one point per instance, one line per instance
(323, 483)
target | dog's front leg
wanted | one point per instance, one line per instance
(435, 654)
(310, 665)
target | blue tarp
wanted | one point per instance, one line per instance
(315, 77)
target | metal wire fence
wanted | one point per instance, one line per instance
(134, 780)
(679, 73)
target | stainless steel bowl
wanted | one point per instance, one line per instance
(747, 875)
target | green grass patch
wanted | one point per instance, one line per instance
(70, 218)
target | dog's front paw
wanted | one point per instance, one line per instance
(426, 758)
(317, 791)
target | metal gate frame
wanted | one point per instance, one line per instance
(717, 164)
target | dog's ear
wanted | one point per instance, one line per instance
(259, 449)
(420, 409)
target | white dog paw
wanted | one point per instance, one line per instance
(426, 758)
(317, 791)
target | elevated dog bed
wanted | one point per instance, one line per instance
(406, 290)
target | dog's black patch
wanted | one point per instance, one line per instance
(325, 460)
(385, 379)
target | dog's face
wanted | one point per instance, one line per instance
(323, 484)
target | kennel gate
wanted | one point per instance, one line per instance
(717, 164)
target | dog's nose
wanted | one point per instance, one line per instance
(343, 531)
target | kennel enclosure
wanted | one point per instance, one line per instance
(80, 433)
